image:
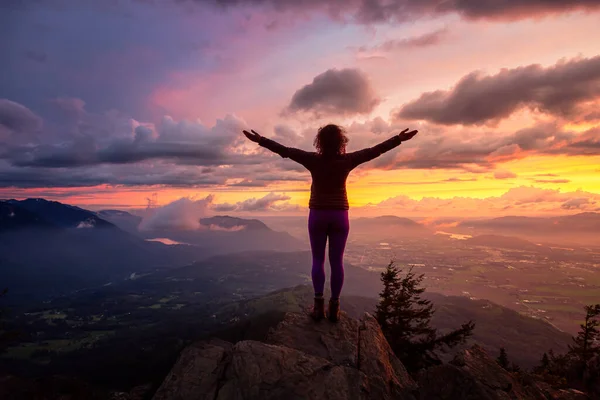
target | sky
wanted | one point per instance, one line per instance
(120, 103)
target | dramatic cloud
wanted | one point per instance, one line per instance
(370, 11)
(111, 139)
(336, 92)
(478, 99)
(182, 214)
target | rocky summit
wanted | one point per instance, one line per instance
(303, 359)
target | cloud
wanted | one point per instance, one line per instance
(552, 180)
(182, 214)
(18, 124)
(86, 224)
(425, 40)
(577, 203)
(479, 99)
(522, 200)
(112, 139)
(336, 92)
(373, 11)
(504, 175)
(266, 203)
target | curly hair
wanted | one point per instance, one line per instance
(331, 140)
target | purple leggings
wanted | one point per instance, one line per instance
(335, 225)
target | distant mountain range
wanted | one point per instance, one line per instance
(49, 248)
(221, 234)
(579, 229)
(505, 242)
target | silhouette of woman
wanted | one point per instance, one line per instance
(329, 166)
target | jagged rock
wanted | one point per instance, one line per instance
(358, 344)
(197, 373)
(302, 360)
(474, 375)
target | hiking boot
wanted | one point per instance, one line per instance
(334, 310)
(318, 311)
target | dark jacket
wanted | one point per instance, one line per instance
(329, 173)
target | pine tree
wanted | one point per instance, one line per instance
(545, 362)
(544, 366)
(503, 359)
(386, 304)
(586, 343)
(405, 319)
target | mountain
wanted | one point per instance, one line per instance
(582, 228)
(49, 249)
(387, 221)
(124, 220)
(224, 234)
(61, 215)
(220, 234)
(227, 222)
(386, 227)
(13, 217)
(505, 242)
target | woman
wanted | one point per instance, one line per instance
(328, 216)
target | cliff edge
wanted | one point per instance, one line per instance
(302, 359)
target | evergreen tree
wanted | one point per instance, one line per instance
(405, 320)
(544, 366)
(587, 342)
(503, 359)
(385, 307)
(545, 362)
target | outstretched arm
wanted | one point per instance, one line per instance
(362, 156)
(300, 156)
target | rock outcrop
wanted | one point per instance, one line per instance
(301, 359)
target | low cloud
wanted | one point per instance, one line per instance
(479, 99)
(336, 92)
(182, 214)
(266, 203)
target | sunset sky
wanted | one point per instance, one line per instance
(103, 104)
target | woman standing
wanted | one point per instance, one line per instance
(329, 167)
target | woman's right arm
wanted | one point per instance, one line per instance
(300, 156)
